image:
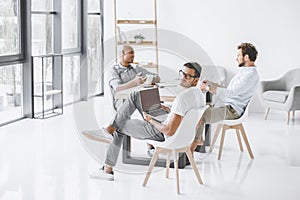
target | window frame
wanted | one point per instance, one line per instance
(19, 57)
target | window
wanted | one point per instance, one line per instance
(11, 46)
(70, 24)
(42, 40)
(11, 51)
(95, 69)
(10, 92)
(71, 76)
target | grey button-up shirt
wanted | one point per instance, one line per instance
(119, 74)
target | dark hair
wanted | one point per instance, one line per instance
(248, 49)
(195, 66)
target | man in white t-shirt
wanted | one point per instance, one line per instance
(122, 124)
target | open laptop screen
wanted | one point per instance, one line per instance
(150, 99)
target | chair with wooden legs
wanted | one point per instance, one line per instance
(179, 143)
(237, 125)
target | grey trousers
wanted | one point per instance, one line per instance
(135, 128)
(213, 115)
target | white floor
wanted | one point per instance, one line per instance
(49, 160)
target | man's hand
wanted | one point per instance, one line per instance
(166, 108)
(147, 117)
(209, 86)
(203, 85)
(139, 79)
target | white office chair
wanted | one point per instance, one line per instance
(236, 124)
(179, 143)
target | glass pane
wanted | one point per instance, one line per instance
(94, 58)
(10, 93)
(70, 20)
(71, 78)
(9, 27)
(93, 6)
(41, 5)
(42, 34)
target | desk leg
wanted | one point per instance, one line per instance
(207, 135)
(135, 160)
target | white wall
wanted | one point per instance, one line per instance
(218, 26)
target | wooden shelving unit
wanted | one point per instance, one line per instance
(138, 24)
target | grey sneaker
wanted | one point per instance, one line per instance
(101, 174)
(101, 135)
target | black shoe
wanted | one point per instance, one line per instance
(181, 163)
(200, 149)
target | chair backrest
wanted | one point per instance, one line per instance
(291, 78)
(241, 119)
(185, 133)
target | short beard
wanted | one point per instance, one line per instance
(185, 84)
(242, 64)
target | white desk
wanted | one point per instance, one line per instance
(167, 91)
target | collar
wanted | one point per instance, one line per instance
(123, 67)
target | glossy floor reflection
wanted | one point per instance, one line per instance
(47, 159)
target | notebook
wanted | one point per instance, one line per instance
(151, 104)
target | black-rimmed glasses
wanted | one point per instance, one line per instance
(185, 75)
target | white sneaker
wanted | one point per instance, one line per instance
(150, 152)
(101, 174)
(101, 135)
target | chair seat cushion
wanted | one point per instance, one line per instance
(276, 96)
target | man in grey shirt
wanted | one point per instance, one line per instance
(124, 76)
(231, 101)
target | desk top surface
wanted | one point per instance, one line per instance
(167, 90)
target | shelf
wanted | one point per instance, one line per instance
(145, 64)
(128, 27)
(48, 93)
(144, 43)
(136, 21)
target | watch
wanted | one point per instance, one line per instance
(207, 87)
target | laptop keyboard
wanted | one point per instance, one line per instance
(157, 112)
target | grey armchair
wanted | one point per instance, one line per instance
(283, 93)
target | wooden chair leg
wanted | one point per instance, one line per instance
(191, 159)
(288, 118)
(168, 164)
(293, 114)
(246, 141)
(176, 169)
(151, 165)
(222, 141)
(239, 139)
(219, 127)
(266, 113)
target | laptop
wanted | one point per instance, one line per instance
(151, 104)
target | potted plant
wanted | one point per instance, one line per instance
(139, 38)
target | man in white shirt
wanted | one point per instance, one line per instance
(231, 101)
(122, 124)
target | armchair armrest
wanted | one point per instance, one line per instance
(293, 100)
